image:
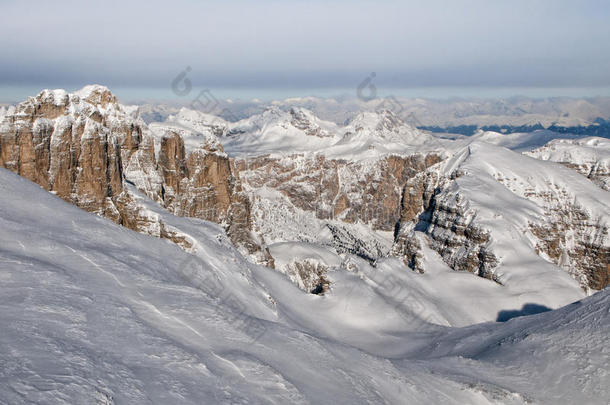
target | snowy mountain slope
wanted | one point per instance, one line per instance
(280, 133)
(95, 313)
(348, 196)
(521, 142)
(277, 131)
(162, 324)
(371, 244)
(91, 316)
(299, 185)
(360, 291)
(380, 133)
(523, 200)
(510, 217)
(590, 156)
(87, 148)
(522, 349)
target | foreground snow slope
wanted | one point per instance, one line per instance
(557, 357)
(94, 313)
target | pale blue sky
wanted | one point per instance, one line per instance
(306, 44)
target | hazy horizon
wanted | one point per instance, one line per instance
(17, 93)
(295, 48)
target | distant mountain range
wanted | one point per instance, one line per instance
(587, 116)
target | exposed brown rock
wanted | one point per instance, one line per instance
(64, 152)
(201, 184)
(172, 166)
(584, 254)
(452, 231)
(461, 243)
(79, 147)
(348, 191)
(409, 248)
(85, 147)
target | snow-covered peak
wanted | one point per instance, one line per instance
(271, 116)
(199, 121)
(280, 132)
(382, 126)
(374, 134)
(524, 175)
(58, 97)
(90, 112)
(298, 130)
(96, 94)
(197, 129)
(313, 126)
(378, 121)
(86, 101)
(273, 112)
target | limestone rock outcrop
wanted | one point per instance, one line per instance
(483, 202)
(365, 192)
(85, 147)
(430, 205)
(383, 190)
(63, 143)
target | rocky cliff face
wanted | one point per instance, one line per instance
(365, 192)
(372, 189)
(572, 237)
(70, 146)
(539, 208)
(85, 146)
(202, 184)
(432, 204)
(374, 173)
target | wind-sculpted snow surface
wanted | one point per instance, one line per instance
(92, 312)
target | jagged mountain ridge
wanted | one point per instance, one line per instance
(86, 147)
(403, 188)
(288, 176)
(491, 207)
